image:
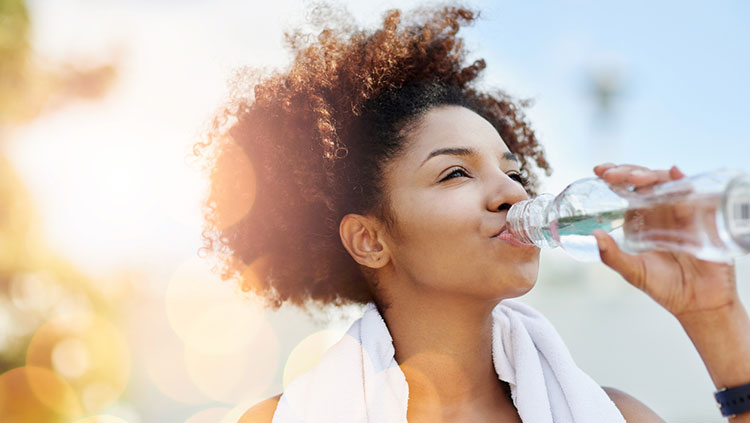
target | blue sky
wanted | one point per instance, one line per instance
(684, 68)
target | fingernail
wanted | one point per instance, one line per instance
(638, 173)
(677, 171)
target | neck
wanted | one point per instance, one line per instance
(443, 344)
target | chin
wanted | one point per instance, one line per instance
(525, 289)
(524, 279)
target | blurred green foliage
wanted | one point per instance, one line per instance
(14, 53)
(30, 85)
(28, 88)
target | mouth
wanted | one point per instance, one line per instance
(502, 229)
(505, 236)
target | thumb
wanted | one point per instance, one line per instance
(629, 266)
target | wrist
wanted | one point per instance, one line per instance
(722, 338)
(732, 312)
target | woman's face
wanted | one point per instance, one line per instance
(450, 191)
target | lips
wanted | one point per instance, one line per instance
(503, 229)
(506, 236)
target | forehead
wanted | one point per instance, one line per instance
(453, 126)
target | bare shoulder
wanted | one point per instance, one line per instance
(261, 412)
(633, 410)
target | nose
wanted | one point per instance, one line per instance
(504, 193)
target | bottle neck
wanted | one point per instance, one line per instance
(527, 221)
(515, 221)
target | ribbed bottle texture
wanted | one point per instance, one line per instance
(707, 215)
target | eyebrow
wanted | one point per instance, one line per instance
(465, 151)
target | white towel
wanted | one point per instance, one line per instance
(359, 381)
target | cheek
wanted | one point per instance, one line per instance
(437, 226)
(442, 208)
(440, 242)
(437, 242)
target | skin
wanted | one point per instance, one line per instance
(441, 269)
(702, 295)
(441, 272)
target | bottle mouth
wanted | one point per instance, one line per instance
(527, 223)
(514, 224)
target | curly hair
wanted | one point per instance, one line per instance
(294, 151)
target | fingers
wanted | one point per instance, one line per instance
(637, 176)
(675, 173)
(619, 174)
(629, 266)
(600, 169)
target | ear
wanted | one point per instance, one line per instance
(362, 238)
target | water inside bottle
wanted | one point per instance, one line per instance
(574, 232)
(701, 225)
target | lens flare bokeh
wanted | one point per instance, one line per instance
(308, 352)
(109, 315)
(209, 415)
(37, 394)
(88, 352)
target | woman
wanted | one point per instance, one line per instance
(383, 176)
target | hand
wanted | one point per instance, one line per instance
(683, 284)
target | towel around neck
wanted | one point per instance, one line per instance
(359, 381)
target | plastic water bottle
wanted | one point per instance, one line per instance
(706, 215)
